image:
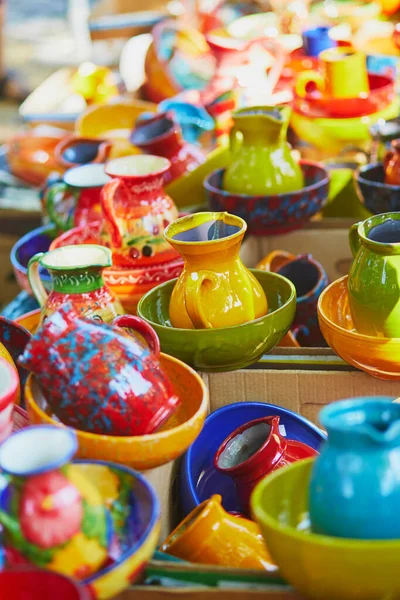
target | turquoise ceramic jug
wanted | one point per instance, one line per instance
(355, 484)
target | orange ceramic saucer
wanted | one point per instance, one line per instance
(376, 356)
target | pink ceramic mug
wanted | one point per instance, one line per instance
(9, 387)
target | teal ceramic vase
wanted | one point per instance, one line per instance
(355, 483)
(374, 277)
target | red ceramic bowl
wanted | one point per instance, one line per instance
(316, 105)
(26, 583)
(9, 389)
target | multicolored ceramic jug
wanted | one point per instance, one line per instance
(254, 450)
(77, 277)
(136, 211)
(52, 515)
(262, 163)
(215, 288)
(355, 484)
(374, 277)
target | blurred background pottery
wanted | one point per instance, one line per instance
(162, 136)
(74, 151)
(376, 195)
(9, 394)
(261, 159)
(227, 348)
(317, 39)
(378, 356)
(145, 451)
(343, 199)
(383, 133)
(211, 536)
(198, 477)
(13, 339)
(37, 240)
(280, 506)
(373, 284)
(215, 288)
(253, 451)
(197, 125)
(363, 432)
(391, 164)
(77, 276)
(74, 200)
(136, 210)
(17, 582)
(275, 214)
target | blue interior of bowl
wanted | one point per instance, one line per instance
(199, 479)
(37, 240)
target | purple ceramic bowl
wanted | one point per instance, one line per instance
(275, 214)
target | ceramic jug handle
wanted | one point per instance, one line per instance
(36, 284)
(107, 206)
(141, 327)
(304, 79)
(354, 239)
(193, 298)
(56, 196)
(275, 260)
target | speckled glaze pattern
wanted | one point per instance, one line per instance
(376, 195)
(98, 379)
(272, 214)
(209, 535)
(378, 356)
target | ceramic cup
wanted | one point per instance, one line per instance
(9, 391)
(73, 151)
(74, 199)
(317, 39)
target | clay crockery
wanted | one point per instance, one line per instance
(9, 394)
(13, 340)
(73, 151)
(215, 288)
(376, 195)
(101, 380)
(40, 585)
(37, 240)
(275, 214)
(391, 164)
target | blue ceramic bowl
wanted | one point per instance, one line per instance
(37, 240)
(275, 214)
(378, 197)
(199, 479)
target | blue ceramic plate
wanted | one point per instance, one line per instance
(199, 479)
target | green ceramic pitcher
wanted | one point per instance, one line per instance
(262, 163)
(374, 277)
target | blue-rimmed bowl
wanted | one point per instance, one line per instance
(37, 240)
(376, 195)
(199, 479)
(274, 214)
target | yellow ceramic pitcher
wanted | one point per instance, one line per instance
(215, 289)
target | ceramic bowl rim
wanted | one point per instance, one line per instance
(338, 328)
(22, 241)
(309, 538)
(374, 184)
(82, 265)
(163, 165)
(330, 122)
(30, 399)
(309, 188)
(187, 458)
(155, 517)
(219, 329)
(214, 215)
(9, 395)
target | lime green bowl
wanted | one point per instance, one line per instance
(227, 348)
(318, 566)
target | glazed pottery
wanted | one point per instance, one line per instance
(374, 289)
(377, 196)
(343, 199)
(194, 120)
(140, 452)
(52, 516)
(280, 506)
(253, 451)
(391, 164)
(136, 211)
(261, 161)
(37, 240)
(310, 279)
(9, 393)
(24, 582)
(75, 200)
(378, 356)
(215, 288)
(13, 339)
(74, 151)
(162, 136)
(317, 39)
(360, 454)
(135, 513)
(383, 133)
(30, 156)
(272, 214)
(198, 477)
(211, 536)
(101, 380)
(77, 277)
(228, 348)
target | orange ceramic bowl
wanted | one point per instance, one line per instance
(145, 451)
(379, 357)
(31, 156)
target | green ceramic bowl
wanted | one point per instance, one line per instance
(318, 566)
(227, 348)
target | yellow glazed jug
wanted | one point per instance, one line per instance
(215, 289)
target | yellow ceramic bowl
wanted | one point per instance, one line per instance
(318, 566)
(29, 320)
(377, 356)
(146, 451)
